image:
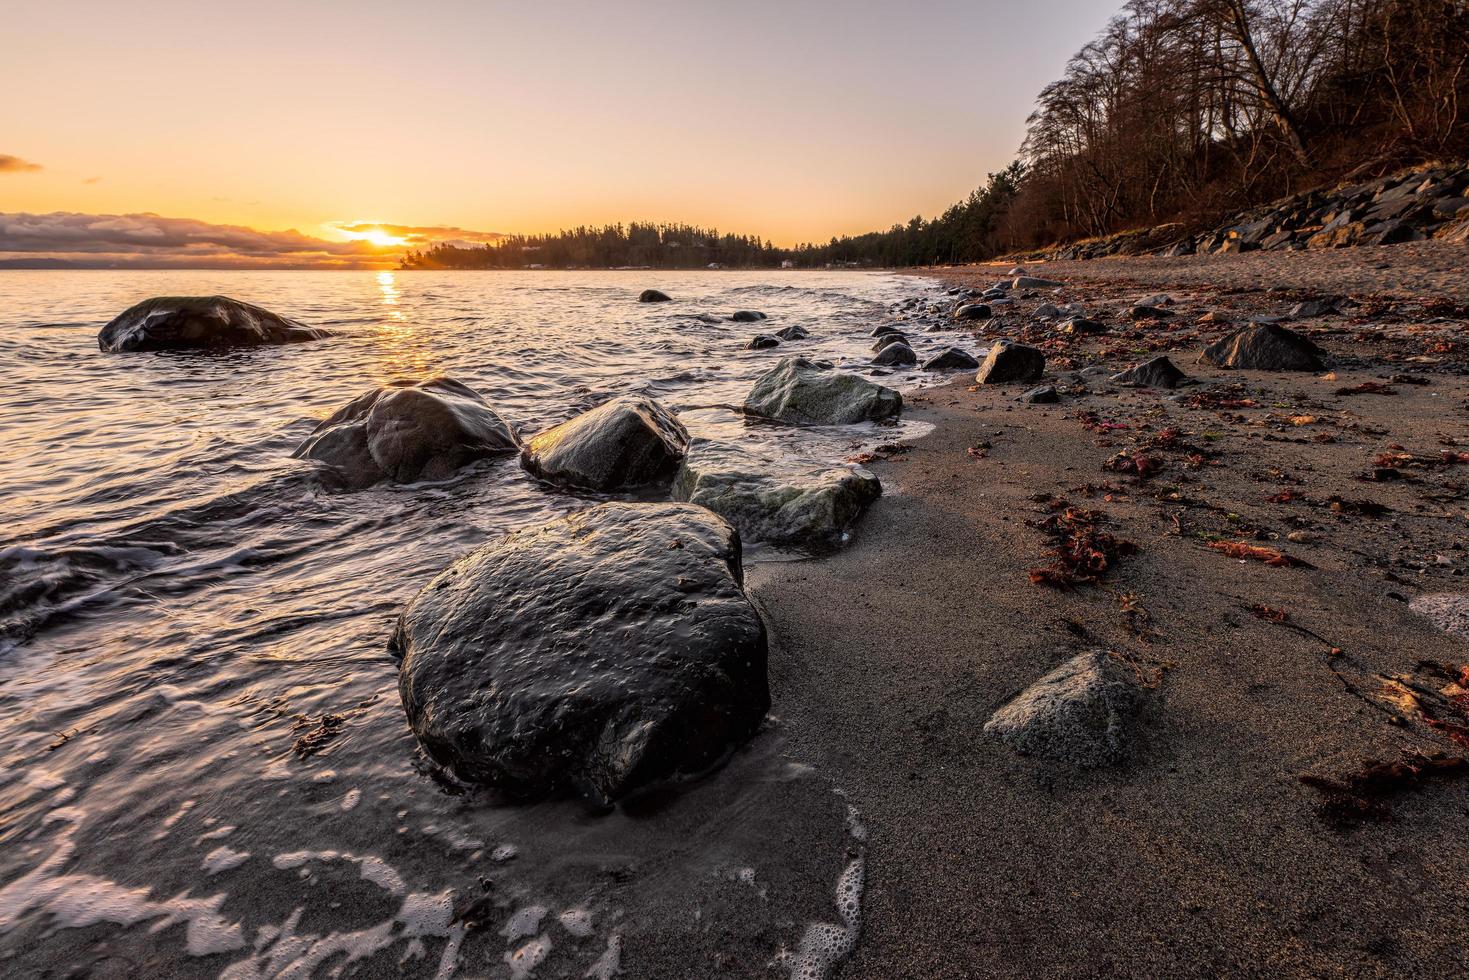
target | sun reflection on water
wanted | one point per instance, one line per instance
(405, 351)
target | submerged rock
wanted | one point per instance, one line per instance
(951, 359)
(1159, 372)
(793, 333)
(802, 391)
(895, 354)
(409, 431)
(776, 500)
(1009, 361)
(598, 653)
(627, 442)
(200, 323)
(747, 316)
(653, 296)
(1077, 714)
(1264, 347)
(762, 341)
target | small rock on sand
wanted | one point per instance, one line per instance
(1264, 347)
(1077, 714)
(1009, 361)
(1159, 372)
(951, 359)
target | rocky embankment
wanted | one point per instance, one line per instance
(1408, 206)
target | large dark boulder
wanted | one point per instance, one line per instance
(808, 393)
(200, 323)
(597, 654)
(409, 431)
(888, 338)
(773, 499)
(627, 442)
(1008, 361)
(973, 311)
(762, 341)
(653, 296)
(747, 316)
(1158, 372)
(1264, 347)
(792, 333)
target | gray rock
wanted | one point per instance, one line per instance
(200, 323)
(762, 341)
(886, 328)
(1159, 372)
(973, 311)
(653, 296)
(1314, 308)
(895, 354)
(792, 333)
(1081, 326)
(951, 359)
(1046, 311)
(409, 431)
(804, 392)
(773, 499)
(598, 654)
(1033, 282)
(1158, 299)
(1009, 361)
(1078, 714)
(1264, 347)
(1043, 395)
(747, 316)
(1446, 610)
(627, 442)
(1141, 312)
(888, 338)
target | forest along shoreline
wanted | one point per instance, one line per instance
(1147, 666)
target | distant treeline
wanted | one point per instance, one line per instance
(1180, 110)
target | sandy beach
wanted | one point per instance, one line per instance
(1205, 852)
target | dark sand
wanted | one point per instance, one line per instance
(1204, 855)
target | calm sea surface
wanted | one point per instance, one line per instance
(179, 600)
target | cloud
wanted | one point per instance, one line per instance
(15, 165)
(152, 241)
(91, 180)
(416, 235)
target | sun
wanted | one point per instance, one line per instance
(374, 236)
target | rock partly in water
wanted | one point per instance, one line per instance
(1264, 347)
(747, 316)
(599, 653)
(1043, 395)
(1009, 361)
(653, 296)
(200, 323)
(627, 442)
(1078, 714)
(776, 500)
(802, 391)
(762, 341)
(951, 359)
(793, 333)
(973, 311)
(895, 355)
(409, 431)
(1159, 372)
(886, 328)
(888, 338)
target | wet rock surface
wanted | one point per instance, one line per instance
(653, 296)
(1078, 714)
(801, 391)
(1008, 361)
(762, 341)
(793, 333)
(1264, 347)
(627, 442)
(747, 316)
(176, 323)
(896, 354)
(598, 654)
(776, 501)
(951, 359)
(409, 431)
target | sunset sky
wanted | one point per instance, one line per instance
(455, 120)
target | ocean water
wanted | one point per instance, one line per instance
(180, 601)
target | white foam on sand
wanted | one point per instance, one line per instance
(825, 945)
(609, 964)
(1448, 611)
(224, 859)
(578, 922)
(353, 797)
(525, 922)
(373, 869)
(523, 961)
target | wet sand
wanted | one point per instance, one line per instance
(1204, 854)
